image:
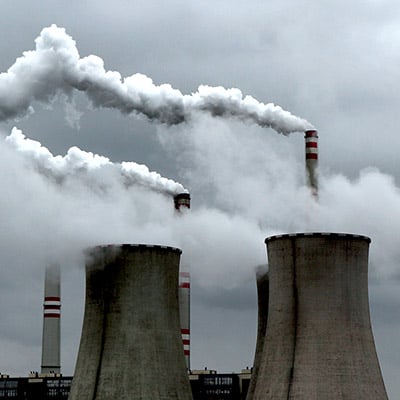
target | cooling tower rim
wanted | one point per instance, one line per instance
(139, 246)
(330, 235)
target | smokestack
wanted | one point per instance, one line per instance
(51, 321)
(263, 299)
(311, 140)
(130, 344)
(184, 313)
(182, 200)
(319, 342)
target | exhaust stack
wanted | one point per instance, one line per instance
(184, 313)
(51, 321)
(311, 142)
(182, 200)
(130, 344)
(319, 342)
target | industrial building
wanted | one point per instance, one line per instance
(205, 385)
(35, 387)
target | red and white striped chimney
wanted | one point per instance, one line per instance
(51, 321)
(182, 200)
(184, 313)
(311, 139)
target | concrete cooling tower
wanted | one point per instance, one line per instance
(131, 345)
(319, 342)
(263, 299)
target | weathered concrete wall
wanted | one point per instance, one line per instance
(90, 348)
(263, 299)
(134, 350)
(319, 342)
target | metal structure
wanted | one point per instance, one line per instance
(311, 142)
(319, 342)
(263, 299)
(51, 321)
(130, 345)
(182, 200)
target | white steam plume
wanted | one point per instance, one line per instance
(89, 166)
(56, 67)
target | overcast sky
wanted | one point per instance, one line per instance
(334, 64)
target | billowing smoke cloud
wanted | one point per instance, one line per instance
(262, 179)
(55, 67)
(89, 167)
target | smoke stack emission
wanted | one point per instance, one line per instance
(86, 166)
(263, 300)
(51, 321)
(311, 140)
(130, 344)
(55, 67)
(319, 342)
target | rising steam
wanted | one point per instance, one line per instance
(87, 166)
(55, 67)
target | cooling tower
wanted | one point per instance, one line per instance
(263, 299)
(311, 142)
(51, 321)
(131, 345)
(319, 342)
(182, 200)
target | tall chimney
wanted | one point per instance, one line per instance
(263, 299)
(311, 141)
(184, 313)
(319, 342)
(130, 345)
(51, 321)
(182, 200)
